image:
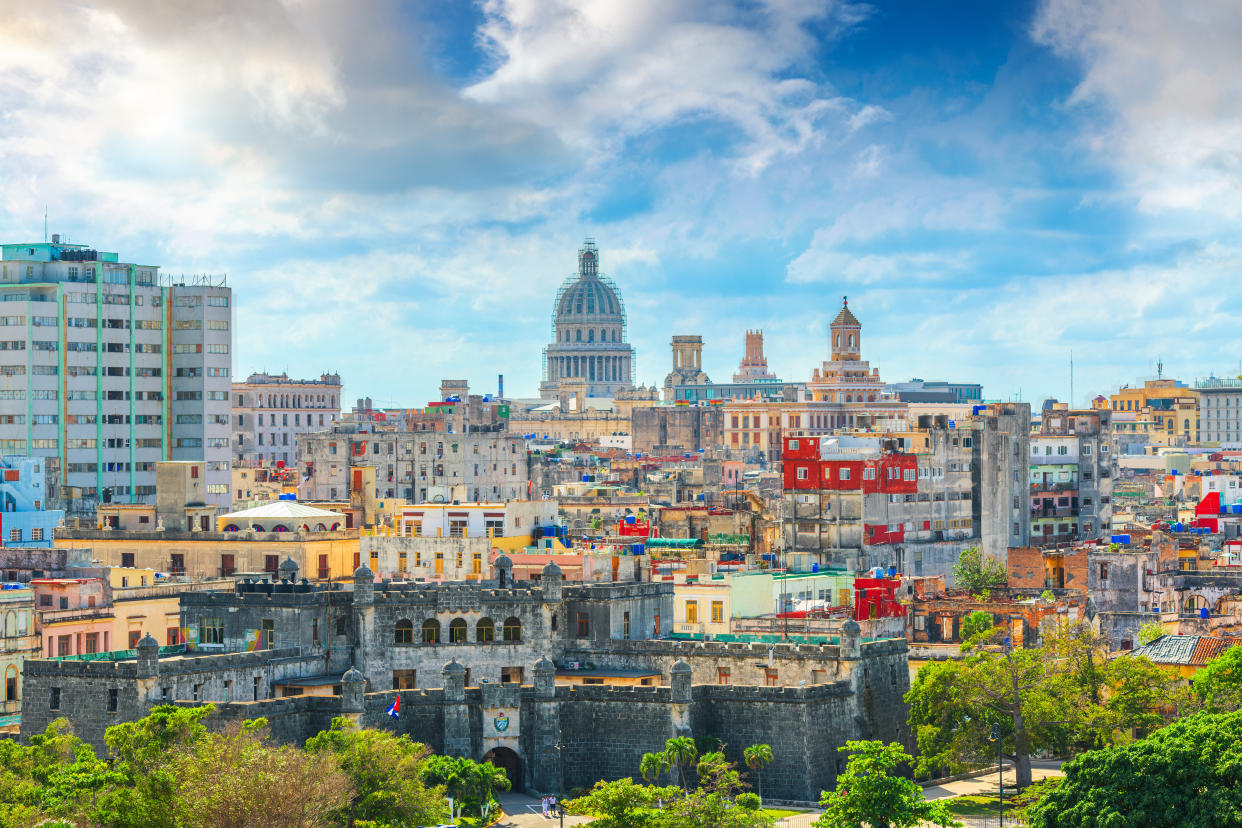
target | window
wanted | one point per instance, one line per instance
(457, 631)
(844, 474)
(404, 632)
(692, 612)
(717, 611)
(485, 631)
(769, 676)
(431, 631)
(404, 679)
(584, 625)
(211, 631)
(54, 699)
(512, 630)
(802, 472)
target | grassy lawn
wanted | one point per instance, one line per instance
(780, 813)
(976, 805)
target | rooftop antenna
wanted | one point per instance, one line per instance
(1071, 399)
(1159, 368)
(45, 222)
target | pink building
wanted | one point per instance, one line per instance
(73, 616)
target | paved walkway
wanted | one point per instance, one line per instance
(523, 811)
(986, 785)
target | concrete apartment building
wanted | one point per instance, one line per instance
(1071, 476)
(271, 410)
(107, 368)
(1220, 410)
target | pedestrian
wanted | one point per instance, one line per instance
(552, 803)
(545, 807)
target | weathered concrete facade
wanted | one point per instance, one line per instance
(678, 429)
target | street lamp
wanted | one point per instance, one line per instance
(1000, 770)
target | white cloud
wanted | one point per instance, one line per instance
(1167, 75)
(599, 72)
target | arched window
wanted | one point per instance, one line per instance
(591, 335)
(12, 686)
(578, 335)
(280, 527)
(838, 341)
(457, 631)
(232, 527)
(554, 622)
(256, 527)
(485, 631)
(319, 527)
(513, 629)
(431, 631)
(404, 632)
(852, 340)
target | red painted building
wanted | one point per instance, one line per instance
(877, 598)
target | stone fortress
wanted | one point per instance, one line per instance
(476, 667)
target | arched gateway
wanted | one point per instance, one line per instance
(510, 762)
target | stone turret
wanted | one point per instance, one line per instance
(288, 570)
(545, 678)
(551, 582)
(503, 567)
(680, 681)
(364, 586)
(850, 647)
(148, 657)
(456, 714)
(353, 690)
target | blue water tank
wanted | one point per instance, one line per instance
(892, 572)
(1155, 609)
(815, 566)
(630, 519)
(1203, 612)
(1177, 527)
(288, 497)
(1120, 539)
(1236, 508)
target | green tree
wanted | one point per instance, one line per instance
(757, 758)
(976, 572)
(387, 774)
(976, 623)
(869, 795)
(1182, 776)
(1149, 632)
(954, 708)
(682, 753)
(623, 804)
(472, 783)
(653, 766)
(238, 780)
(1218, 686)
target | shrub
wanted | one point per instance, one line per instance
(749, 801)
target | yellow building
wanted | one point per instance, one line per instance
(1165, 408)
(702, 607)
(18, 642)
(198, 555)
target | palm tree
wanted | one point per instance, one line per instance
(757, 757)
(483, 780)
(653, 765)
(681, 752)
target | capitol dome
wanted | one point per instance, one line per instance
(588, 333)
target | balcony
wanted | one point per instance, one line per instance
(1070, 486)
(1058, 539)
(1058, 512)
(691, 627)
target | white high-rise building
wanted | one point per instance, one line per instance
(107, 368)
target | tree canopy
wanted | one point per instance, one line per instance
(977, 572)
(1218, 686)
(1062, 694)
(168, 770)
(870, 795)
(1186, 775)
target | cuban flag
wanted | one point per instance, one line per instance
(395, 710)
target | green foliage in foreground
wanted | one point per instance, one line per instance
(870, 795)
(1186, 775)
(717, 802)
(168, 771)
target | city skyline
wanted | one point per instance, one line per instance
(993, 189)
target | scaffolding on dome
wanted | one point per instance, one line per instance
(588, 246)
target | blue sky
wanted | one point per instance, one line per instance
(396, 189)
